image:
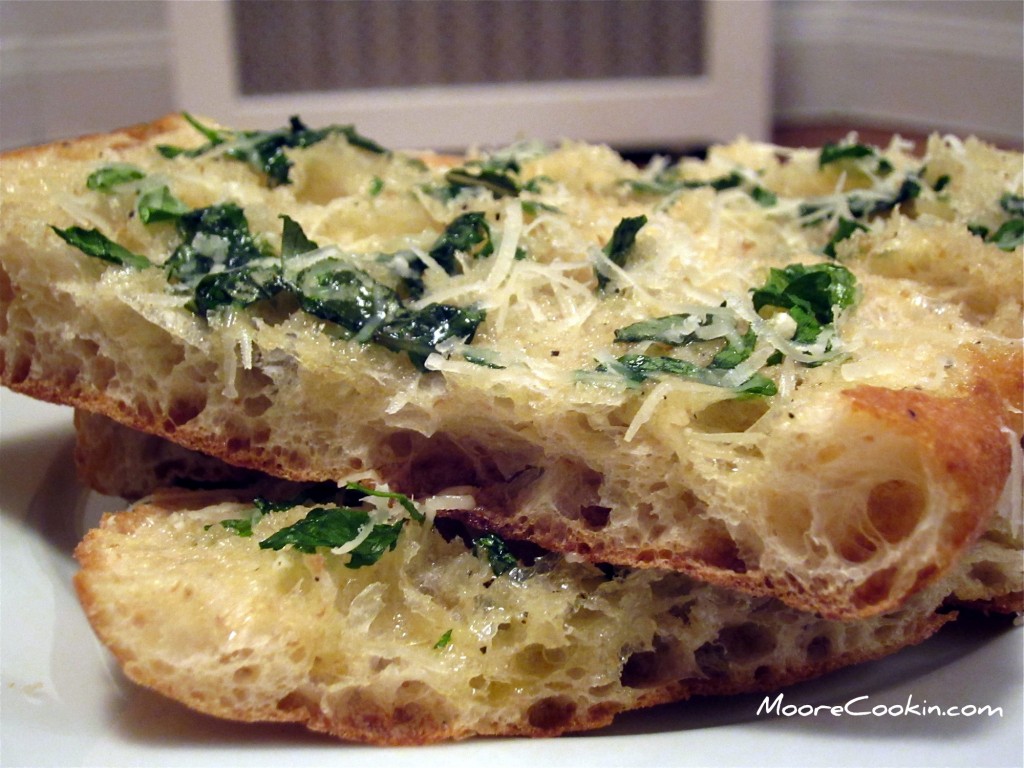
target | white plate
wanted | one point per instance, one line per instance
(65, 703)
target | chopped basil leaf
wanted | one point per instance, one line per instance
(154, 204)
(265, 150)
(213, 135)
(468, 233)
(639, 368)
(498, 184)
(735, 352)
(417, 332)
(405, 502)
(444, 640)
(218, 258)
(214, 237)
(729, 181)
(834, 152)
(92, 242)
(224, 265)
(160, 205)
(862, 207)
(242, 526)
(1012, 204)
(844, 229)
(333, 527)
(668, 182)
(809, 294)
(321, 527)
(110, 176)
(319, 494)
(679, 330)
(496, 174)
(383, 538)
(1009, 235)
(240, 287)
(764, 197)
(674, 330)
(496, 550)
(618, 247)
(293, 239)
(334, 290)
(484, 358)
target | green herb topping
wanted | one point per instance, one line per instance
(669, 181)
(497, 552)
(839, 152)
(719, 342)
(225, 266)
(1010, 234)
(264, 151)
(94, 243)
(108, 177)
(809, 294)
(468, 234)
(333, 526)
(619, 246)
(500, 174)
(444, 640)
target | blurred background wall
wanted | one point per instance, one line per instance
(73, 66)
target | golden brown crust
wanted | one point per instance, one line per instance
(87, 146)
(963, 438)
(1009, 604)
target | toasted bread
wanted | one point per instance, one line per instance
(117, 461)
(429, 643)
(792, 373)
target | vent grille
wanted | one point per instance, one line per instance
(291, 46)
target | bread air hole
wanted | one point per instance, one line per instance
(508, 474)
(246, 675)
(182, 410)
(650, 668)
(99, 369)
(743, 644)
(733, 415)
(892, 511)
(990, 575)
(894, 508)
(553, 713)
(876, 588)
(747, 642)
(818, 649)
(535, 659)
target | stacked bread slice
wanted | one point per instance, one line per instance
(730, 422)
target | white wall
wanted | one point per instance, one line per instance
(73, 66)
(949, 65)
(69, 67)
